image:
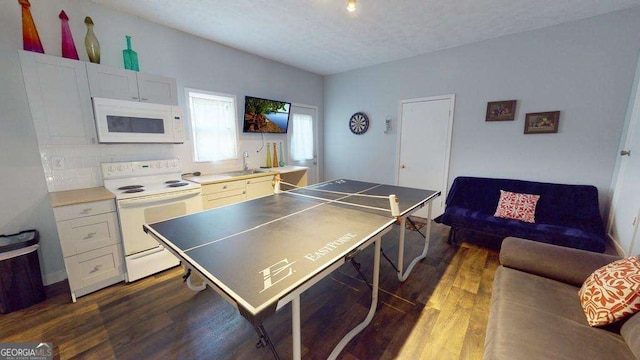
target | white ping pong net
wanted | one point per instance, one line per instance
(394, 208)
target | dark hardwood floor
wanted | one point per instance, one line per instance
(440, 312)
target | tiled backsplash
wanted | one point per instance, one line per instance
(68, 167)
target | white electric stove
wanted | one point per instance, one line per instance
(148, 192)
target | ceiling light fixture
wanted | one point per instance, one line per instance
(351, 5)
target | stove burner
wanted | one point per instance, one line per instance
(129, 187)
(171, 181)
(178, 184)
(134, 190)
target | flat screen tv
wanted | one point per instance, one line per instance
(265, 116)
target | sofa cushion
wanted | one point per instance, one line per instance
(517, 206)
(539, 293)
(571, 266)
(630, 331)
(575, 237)
(612, 292)
(537, 318)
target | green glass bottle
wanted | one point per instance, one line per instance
(130, 57)
(269, 163)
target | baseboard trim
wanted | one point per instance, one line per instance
(620, 251)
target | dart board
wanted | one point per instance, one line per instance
(359, 123)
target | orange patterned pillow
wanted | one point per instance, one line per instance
(517, 206)
(612, 292)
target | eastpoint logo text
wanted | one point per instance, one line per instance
(329, 247)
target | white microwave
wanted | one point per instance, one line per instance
(121, 121)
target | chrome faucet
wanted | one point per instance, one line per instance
(245, 166)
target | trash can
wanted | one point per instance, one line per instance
(20, 278)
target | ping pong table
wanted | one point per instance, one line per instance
(264, 253)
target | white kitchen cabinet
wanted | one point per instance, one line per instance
(114, 83)
(223, 193)
(91, 245)
(259, 186)
(58, 96)
(234, 191)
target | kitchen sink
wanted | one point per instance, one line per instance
(241, 172)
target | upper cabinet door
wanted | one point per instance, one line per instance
(112, 83)
(157, 89)
(58, 96)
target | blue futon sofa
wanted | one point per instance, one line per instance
(566, 215)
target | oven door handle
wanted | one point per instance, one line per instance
(157, 199)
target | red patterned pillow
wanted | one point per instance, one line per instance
(517, 206)
(612, 292)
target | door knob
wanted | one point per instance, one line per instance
(625, 152)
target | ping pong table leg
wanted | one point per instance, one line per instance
(295, 331)
(402, 274)
(374, 303)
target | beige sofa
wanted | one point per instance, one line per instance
(536, 312)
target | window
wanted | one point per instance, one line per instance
(302, 137)
(213, 122)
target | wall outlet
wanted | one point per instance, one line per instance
(57, 163)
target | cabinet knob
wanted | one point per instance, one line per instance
(90, 236)
(86, 210)
(95, 269)
(144, 99)
(625, 153)
(403, 166)
(134, 98)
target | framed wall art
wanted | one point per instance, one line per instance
(541, 122)
(501, 110)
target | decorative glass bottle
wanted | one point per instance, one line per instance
(30, 37)
(269, 163)
(281, 163)
(275, 155)
(130, 57)
(68, 47)
(91, 42)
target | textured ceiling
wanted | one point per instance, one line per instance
(322, 37)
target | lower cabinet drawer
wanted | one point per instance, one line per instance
(87, 233)
(87, 209)
(224, 186)
(258, 187)
(222, 198)
(101, 266)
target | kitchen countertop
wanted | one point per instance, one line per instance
(79, 196)
(218, 178)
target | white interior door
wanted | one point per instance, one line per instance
(625, 207)
(425, 142)
(303, 140)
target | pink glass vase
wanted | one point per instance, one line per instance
(30, 37)
(68, 47)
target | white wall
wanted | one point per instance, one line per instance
(584, 69)
(193, 61)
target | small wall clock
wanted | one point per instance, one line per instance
(359, 123)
